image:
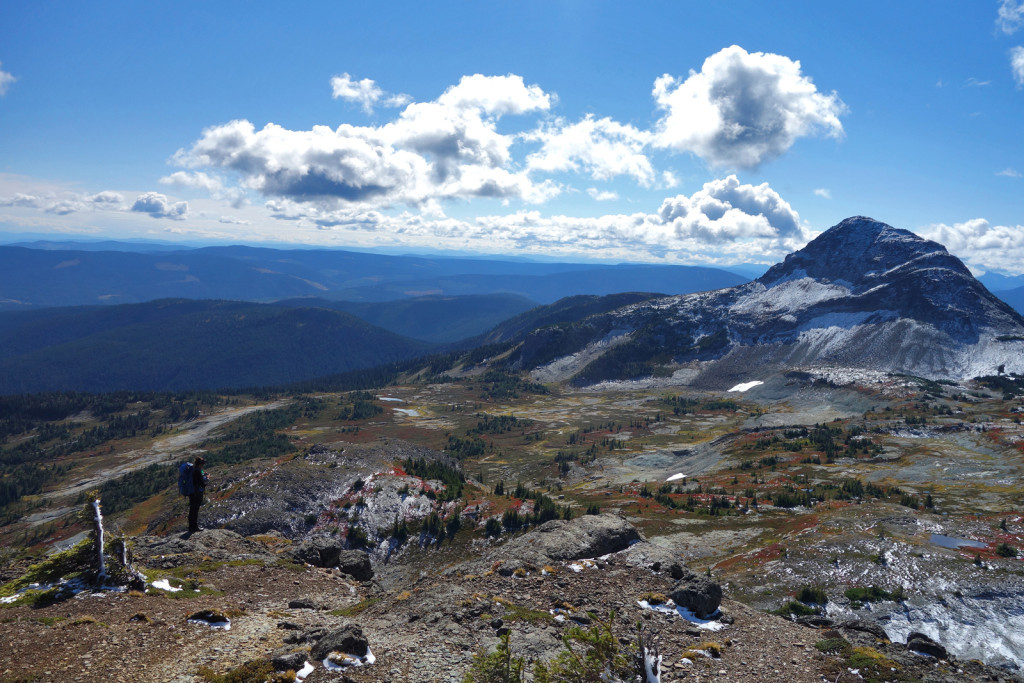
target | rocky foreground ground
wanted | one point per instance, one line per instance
(535, 588)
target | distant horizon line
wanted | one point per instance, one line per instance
(27, 239)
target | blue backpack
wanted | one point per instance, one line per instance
(186, 485)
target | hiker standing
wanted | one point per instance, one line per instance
(195, 497)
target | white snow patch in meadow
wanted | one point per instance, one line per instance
(408, 411)
(672, 608)
(306, 669)
(678, 475)
(580, 565)
(165, 585)
(746, 385)
(389, 398)
(339, 661)
(219, 625)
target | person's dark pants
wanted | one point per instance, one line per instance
(194, 501)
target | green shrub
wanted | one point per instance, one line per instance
(833, 645)
(257, 671)
(498, 667)
(588, 655)
(812, 595)
(871, 594)
(1006, 550)
(357, 538)
(795, 608)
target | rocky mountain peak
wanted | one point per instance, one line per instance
(861, 253)
(863, 294)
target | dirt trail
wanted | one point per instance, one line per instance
(162, 449)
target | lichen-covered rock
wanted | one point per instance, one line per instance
(697, 593)
(348, 639)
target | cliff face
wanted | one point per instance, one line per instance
(861, 295)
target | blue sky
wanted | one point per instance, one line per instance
(685, 132)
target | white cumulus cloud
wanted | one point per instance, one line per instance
(65, 203)
(823, 192)
(1011, 16)
(158, 206)
(602, 147)
(23, 199)
(63, 207)
(212, 184)
(444, 149)
(726, 209)
(107, 198)
(1009, 173)
(981, 244)
(198, 181)
(743, 109)
(364, 92)
(5, 80)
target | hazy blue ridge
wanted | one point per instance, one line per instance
(42, 277)
(175, 345)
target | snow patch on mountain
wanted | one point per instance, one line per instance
(565, 367)
(787, 296)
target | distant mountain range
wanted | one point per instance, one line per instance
(43, 276)
(187, 344)
(861, 295)
(436, 319)
(175, 344)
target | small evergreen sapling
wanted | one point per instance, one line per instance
(497, 667)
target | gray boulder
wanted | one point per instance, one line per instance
(919, 642)
(815, 621)
(654, 558)
(319, 551)
(356, 564)
(697, 593)
(288, 660)
(863, 626)
(559, 540)
(348, 639)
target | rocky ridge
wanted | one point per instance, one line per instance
(286, 615)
